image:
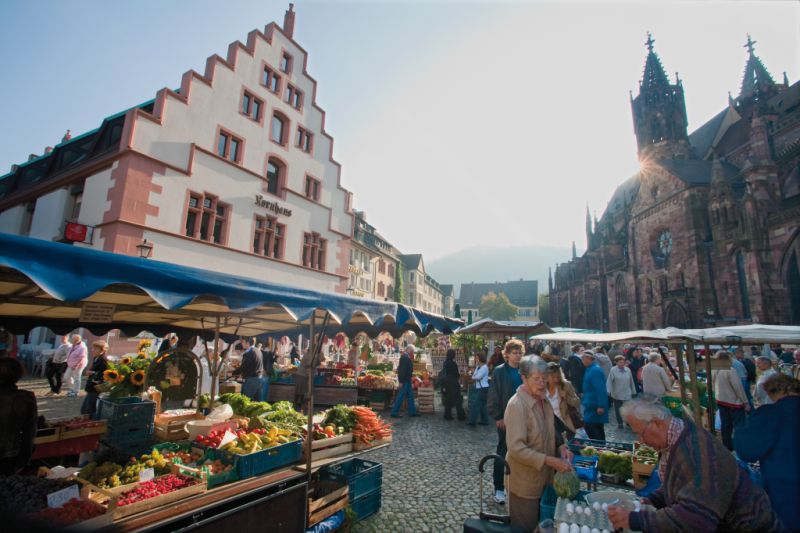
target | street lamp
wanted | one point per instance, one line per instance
(145, 249)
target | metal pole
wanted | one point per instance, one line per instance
(212, 365)
(693, 382)
(314, 346)
(681, 374)
(710, 392)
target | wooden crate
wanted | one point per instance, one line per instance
(426, 399)
(173, 428)
(324, 448)
(95, 427)
(358, 445)
(640, 480)
(333, 497)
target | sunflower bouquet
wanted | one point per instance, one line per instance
(127, 376)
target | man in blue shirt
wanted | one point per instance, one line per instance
(504, 384)
(595, 398)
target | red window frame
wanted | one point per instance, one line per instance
(293, 96)
(313, 188)
(286, 63)
(314, 251)
(284, 130)
(268, 237)
(252, 106)
(304, 140)
(271, 80)
(225, 141)
(206, 218)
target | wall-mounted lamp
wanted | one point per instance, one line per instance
(145, 249)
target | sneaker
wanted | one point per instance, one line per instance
(500, 497)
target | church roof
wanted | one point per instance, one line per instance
(756, 76)
(696, 172)
(654, 74)
(703, 137)
(623, 196)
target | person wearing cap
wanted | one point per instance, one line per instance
(99, 365)
(404, 370)
(595, 398)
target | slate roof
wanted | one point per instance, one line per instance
(411, 261)
(522, 293)
(702, 138)
(447, 289)
(696, 172)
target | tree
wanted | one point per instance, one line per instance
(497, 306)
(544, 308)
(398, 283)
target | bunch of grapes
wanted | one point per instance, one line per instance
(106, 475)
(23, 495)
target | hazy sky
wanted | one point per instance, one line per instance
(457, 123)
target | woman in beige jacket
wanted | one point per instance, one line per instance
(535, 449)
(561, 395)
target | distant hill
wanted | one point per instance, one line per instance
(486, 264)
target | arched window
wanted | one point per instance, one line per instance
(275, 173)
(278, 128)
(621, 291)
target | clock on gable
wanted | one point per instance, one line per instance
(665, 243)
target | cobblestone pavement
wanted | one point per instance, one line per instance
(52, 406)
(430, 474)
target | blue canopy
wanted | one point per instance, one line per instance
(60, 282)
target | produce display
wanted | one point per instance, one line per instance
(566, 484)
(369, 426)
(72, 512)
(341, 416)
(183, 456)
(376, 379)
(23, 495)
(259, 439)
(108, 474)
(644, 454)
(264, 415)
(215, 467)
(348, 382)
(156, 487)
(321, 432)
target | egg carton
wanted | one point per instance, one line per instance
(595, 521)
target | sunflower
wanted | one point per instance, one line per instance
(137, 378)
(141, 355)
(112, 376)
(144, 343)
(125, 361)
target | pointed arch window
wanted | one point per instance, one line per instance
(743, 291)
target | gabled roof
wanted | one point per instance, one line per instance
(696, 172)
(702, 139)
(447, 289)
(522, 293)
(411, 261)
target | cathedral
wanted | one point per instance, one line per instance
(707, 233)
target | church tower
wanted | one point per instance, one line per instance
(659, 112)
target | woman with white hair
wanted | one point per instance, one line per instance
(535, 449)
(702, 486)
(655, 380)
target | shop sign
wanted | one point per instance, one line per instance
(272, 206)
(97, 312)
(354, 270)
(75, 232)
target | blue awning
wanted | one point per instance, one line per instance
(59, 280)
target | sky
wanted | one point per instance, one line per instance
(457, 124)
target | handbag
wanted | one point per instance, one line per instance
(575, 416)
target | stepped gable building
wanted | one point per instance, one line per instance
(708, 232)
(524, 294)
(232, 172)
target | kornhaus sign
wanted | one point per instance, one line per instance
(272, 206)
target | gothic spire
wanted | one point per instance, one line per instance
(756, 77)
(574, 251)
(654, 74)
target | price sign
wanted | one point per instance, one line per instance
(147, 474)
(228, 437)
(60, 497)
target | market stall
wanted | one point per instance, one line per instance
(101, 291)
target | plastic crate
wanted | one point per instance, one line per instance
(131, 411)
(366, 505)
(549, 499)
(255, 464)
(127, 434)
(60, 448)
(586, 473)
(362, 477)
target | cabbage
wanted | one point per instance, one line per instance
(566, 484)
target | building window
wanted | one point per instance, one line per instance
(314, 248)
(381, 289)
(206, 218)
(312, 188)
(411, 277)
(74, 209)
(229, 147)
(293, 96)
(390, 270)
(275, 172)
(744, 294)
(252, 106)
(278, 130)
(381, 266)
(271, 80)
(286, 63)
(389, 291)
(268, 237)
(303, 139)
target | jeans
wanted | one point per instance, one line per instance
(617, 405)
(403, 391)
(477, 406)
(89, 405)
(73, 378)
(252, 388)
(55, 373)
(596, 431)
(731, 417)
(499, 471)
(746, 387)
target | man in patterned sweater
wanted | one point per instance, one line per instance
(703, 488)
